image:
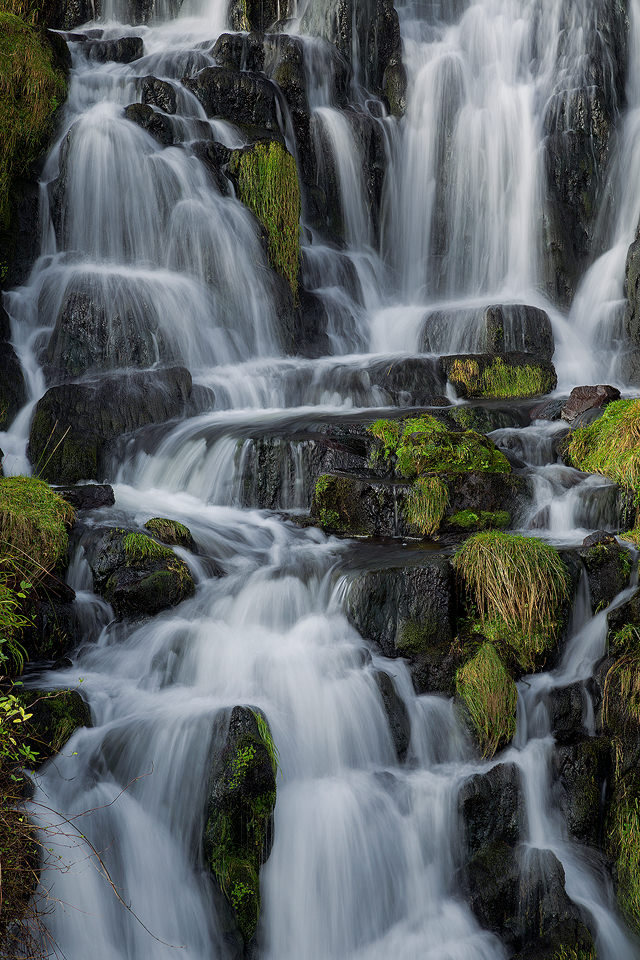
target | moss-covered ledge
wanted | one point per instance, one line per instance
(33, 85)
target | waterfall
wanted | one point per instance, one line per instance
(148, 259)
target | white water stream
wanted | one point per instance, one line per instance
(366, 852)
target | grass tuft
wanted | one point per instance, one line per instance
(490, 696)
(518, 584)
(610, 445)
(139, 548)
(500, 380)
(33, 526)
(624, 836)
(425, 505)
(268, 184)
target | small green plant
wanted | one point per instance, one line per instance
(265, 735)
(425, 505)
(623, 683)
(490, 696)
(268, 185)
(140, 548)
(624, 836)
(574, 953)
(518, 584)
(467, 519)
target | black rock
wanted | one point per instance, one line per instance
(399, 723)
(608, 568)
(242, 97)
(582, 770)
(88, 496)
(491, 807)
(13, 391)
(150, 120)
(566, 707)
(122, 50)
(159, 94)
(239, 51)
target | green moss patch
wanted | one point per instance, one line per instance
(53, 718)
(268, 184)
(34, 525)
(423, 444)
(483, 520)
(490, 696)
(518, 585)
(31, 89)
(334, 505)
(170, 531)
(501, 378)
(624, 840)
(141, 549)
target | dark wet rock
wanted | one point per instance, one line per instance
(626, 614)
(581, 772)
(159, 94)
(122, 50)
(150, 120)
(608, 567)
(394, 86)
(491, 807)
(80, 420)
(88, 496)
(521, 897)
(582, 399)
(68, 14)
(55, 629)
(510, 375)
(135, 574)
(239, 51)
(241, 97)
(632, 292)
(397, 715)
(549, 410)
(93, 335)
(496, 329)
(566, 708)
(238, 834)
(495, 492)
(408, 612)
(55, 716)
(309, 334)
(215, 156)
(410, 381)
(256, 15)
(13, 391)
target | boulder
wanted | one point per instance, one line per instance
(582, 771)
(135, 574)
(240, 51)
(582, 399)
(88, 496)
(408, 612)
(13, 391)
(121, 50)
(496, 329)
(150, 120)
(242, 97)
(608, 567)
(55, 716)
(159, 94)
(238, 833)
(75, 423)
(396, 711)
(632, 292)
(171, 532)
(257, 15)
(55, 628)
(491, 808)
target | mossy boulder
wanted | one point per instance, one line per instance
(34, 524)
(170, 531)
(32, 87)
(608, 567)
(55, 716)
(137, 575)
(238, 833)
(510, 376)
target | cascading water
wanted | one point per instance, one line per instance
(366, 855)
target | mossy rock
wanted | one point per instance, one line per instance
(267, 182)
(34, 523)
(623, 833)
(55, 717)
(137, 575)
(32, 87)
(608, 568)
(171, 532)
(512, 376)
(238, 832)
(468, 520)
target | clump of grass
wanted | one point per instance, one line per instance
(139, 548)
(518, 584)
(268, 184)
(623, 683)
(574, 953)
(34, 521)
(500, 380)
(425, 445)
(31, 89)
(267, 738)
(425, 505)
(610, 446)
(490, 696)
(624, 836)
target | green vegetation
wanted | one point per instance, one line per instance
(483, 520)
(623, 684)
(490, 696)
(265, 735)
(31, 89)
(611, 446)
(425, 445)
(500, 380)
(518, 585)
(425, 505)
(624, 837)
(574, 953)
(139, 548)
(170, 531)
(33, 527)
(333, 504)
(268, 184)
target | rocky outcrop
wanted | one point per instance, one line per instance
(135, 574)
(152, 121)
(75, 423)
(491, 808)
(238, 833)
(608, 567)
(241, 97)
(496, 329)
(583, 400)
(120, 50)
(13, 392)
(582, 771)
